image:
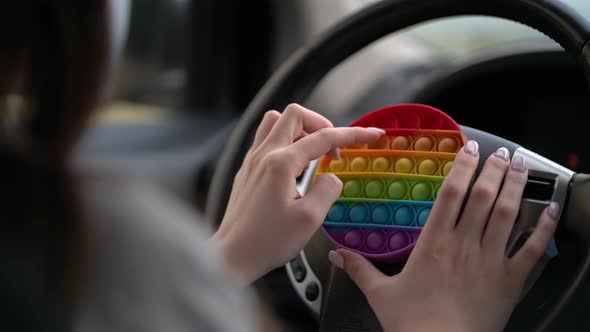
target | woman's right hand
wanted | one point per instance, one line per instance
(267, 221)
(458, 277)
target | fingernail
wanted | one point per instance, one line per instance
(553, 210)
(519, 164)
(336, 259)
(472, 148)
(503, 153)
(378, 130)
(336, 153)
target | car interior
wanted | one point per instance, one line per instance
(195, 76)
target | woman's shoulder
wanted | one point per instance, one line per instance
(150, 266)
(110, 196)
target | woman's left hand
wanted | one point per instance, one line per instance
(458, 277)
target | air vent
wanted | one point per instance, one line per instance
(539, 188)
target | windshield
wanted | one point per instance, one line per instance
(455, 37)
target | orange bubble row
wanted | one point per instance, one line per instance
(427, 143)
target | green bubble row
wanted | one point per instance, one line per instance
(370, 214)
(390, 188)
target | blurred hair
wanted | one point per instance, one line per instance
(53, 56)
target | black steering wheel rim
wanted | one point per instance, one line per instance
(298, 76)
(295, 80)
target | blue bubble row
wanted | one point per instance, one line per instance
(378, 214)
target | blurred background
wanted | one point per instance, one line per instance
(187, 69)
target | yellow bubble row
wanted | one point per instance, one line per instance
(392, 164)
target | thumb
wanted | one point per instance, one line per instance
(362, 272)
(325, 190)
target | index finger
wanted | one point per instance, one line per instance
(294, 120)
(319, 143)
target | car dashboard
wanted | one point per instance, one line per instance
(535, 97)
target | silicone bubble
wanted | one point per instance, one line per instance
(436, 191)
(381, 143)
(357, 146)
(358, 213)
(447, 144)
(401, 143)
(398, 240)
(359, 164)
(353, 238)
(404, 165)
(428, 167)
(421, 191)
(381, 164)
(376, 240)
(424, 144)
(431, 122)
(374, 189)
(338, 165)
(408, 120)
(337, 213)
(423, 216)
(352, 188)
(388, 121)
(381, 214)
(447, 168)
(403, 216)
(397, 189)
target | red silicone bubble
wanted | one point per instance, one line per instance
(431, 122)
(408, 121)
(409, 116)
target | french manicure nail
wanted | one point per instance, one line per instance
(378, 130)
(503, 153)
(553, 210)
(336, 259)
(519, 164)
(472, 148)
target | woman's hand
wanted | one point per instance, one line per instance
(267, 222)
(458, 277)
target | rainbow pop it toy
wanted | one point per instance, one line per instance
(390, 185)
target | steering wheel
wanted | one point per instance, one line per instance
(327, 291)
